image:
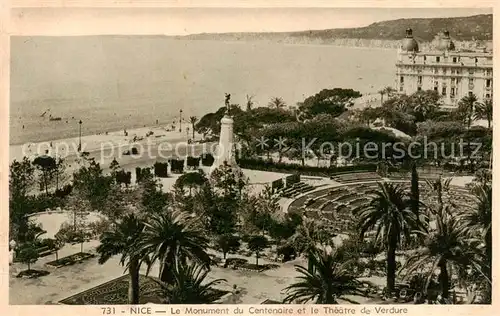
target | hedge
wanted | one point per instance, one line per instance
(177, 165)
(267, 165)
(207, 160)
(292, 179)
(276, 185)
(123, 177)
(161, 169)
(193, 161)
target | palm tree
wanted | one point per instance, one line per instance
(484, 111)
(439, 186)
(307, 236)
(172, 237)
(277, 103)
(193, 120)
(446, 248)
(477, 221)
(330, 279)
(189, 286)
(385, 91)
(466, 108)
(250, 102)
(390, 214)
(122, 239)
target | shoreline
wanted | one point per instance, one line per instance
(105, 147)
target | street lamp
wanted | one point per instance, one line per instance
(180, 120)
(80, 139)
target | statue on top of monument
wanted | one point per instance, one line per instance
(228, 97)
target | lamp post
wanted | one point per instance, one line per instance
(80, 138)
(180, 120)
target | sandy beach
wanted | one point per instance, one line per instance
(153, 143)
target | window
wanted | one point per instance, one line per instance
(401, 88)
(471, 81)
(475, 60)
(444, 71)
(488, 83)
(435, 70)
(420, 79)
(444, 91)
(401, 79)
(452, 92)
(454, 59)
(487, 95)
(419, 88)
(436, 88)
(438, 59)
(425, 58)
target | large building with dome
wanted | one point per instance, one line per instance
(451, 72)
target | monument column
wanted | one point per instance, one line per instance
(225, 151)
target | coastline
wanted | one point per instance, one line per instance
(106, 147)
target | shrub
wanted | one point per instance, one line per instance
(207, 160)
(161, 169)
(193, 162)
(138, 174)
(177, 165)
(261, 164)
(123, 177)
(64, 191)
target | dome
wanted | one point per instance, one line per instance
(444, 42)
(409, 44)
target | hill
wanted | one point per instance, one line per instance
(478, 27)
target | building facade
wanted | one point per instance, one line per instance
(452, 73)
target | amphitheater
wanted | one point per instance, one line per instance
(336, 202)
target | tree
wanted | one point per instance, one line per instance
(256, 244)
(424, 104)
(190, 286)
(277, 103)
(249, 102)
(328, 281)
(59, 172)
(59, 242)
(328, 101)
(28, 254)
(173, 237)
(191, 180)
(477, 223)
(415, 195)
(465, 110)
(21, 179)
(385, 91)
(92, 185)
(439, 187)
(122, 239)
(390, 214)
(484, 111)
(307, 236)
(228, 244)
(444, 248)
(46, 165)
(193, 120)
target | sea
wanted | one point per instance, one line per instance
(121, 82)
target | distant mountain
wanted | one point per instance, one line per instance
(477, 27)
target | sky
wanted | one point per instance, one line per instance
(183, 21)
